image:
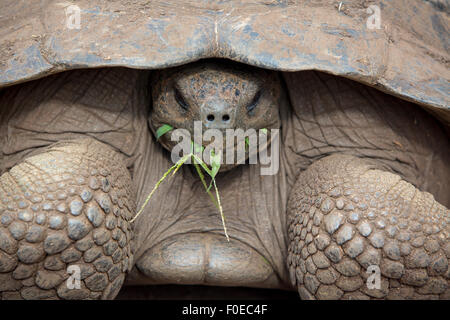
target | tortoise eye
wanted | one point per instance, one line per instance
(254, 102)
(180, 100)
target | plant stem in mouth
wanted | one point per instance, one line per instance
(198, 163)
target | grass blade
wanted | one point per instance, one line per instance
(204, 166)
(220, 210)
(199, 165)
(176, 165)
(202, 178)
(215, 164)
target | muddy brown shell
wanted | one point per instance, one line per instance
(406, 56)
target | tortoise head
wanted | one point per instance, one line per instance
(220, 95)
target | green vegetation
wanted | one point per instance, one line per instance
(199, 165)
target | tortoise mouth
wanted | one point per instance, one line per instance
(241, 150)
(204, 259)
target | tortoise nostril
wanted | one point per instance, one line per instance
(226, 118)
(210, 117)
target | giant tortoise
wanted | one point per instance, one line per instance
(359, 91)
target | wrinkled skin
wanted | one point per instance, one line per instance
(218, 96)
(358, 178)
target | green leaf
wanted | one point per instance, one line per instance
(163, 130)
(215, 167)
(199, 164)
(264, 130)
(215, 163)
(195, 148)
(204, 166)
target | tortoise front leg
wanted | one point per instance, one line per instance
(64, 216)
(346, 217)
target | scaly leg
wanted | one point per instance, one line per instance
(348, 220)
(64, 216)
